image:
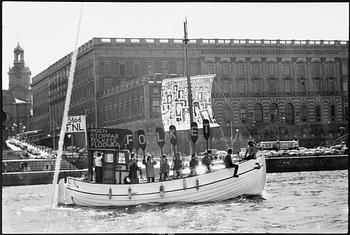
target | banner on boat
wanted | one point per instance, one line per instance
(76, 124)
(110, 139)
(175, 109)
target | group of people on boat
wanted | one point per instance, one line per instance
(177, 165)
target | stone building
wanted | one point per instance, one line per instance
(16, 101)
(267, 89)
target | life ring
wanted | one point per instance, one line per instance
(197, 184)
(129, 192)
(110, 193)
(161, 190)
(184, 184)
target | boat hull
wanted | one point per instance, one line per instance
(209, 187)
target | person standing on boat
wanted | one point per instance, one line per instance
(207, 161)
(193, 165)
(98, 168)
(251, 151)
(178, 166)
(149, 168)
(133, 168)
(228, 162)
(164, 168)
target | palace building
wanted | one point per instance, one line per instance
(267, 89)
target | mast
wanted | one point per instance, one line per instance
(187, 74)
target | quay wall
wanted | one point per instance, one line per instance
(309, 163)
(36, 177)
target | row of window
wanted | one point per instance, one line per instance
(288, 116)
(122, 110)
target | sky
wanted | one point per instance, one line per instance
(47, 31)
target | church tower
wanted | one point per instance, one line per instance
(19, 76)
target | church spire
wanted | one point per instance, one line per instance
(18, 54)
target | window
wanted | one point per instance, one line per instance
(107, 70)
(242, 86)
(318, 113)
(229, 114)
(241, 69)
(165, 67)
(332, 112)
(316, 70)
(301, 70)
(330, 70)
(274, 112)
(303, 113)
(289, 113)
(345, 86)
(331, 85)
(150, 68)
(302, 86)
(193, 70)
(287, 85)
(243, 114)
(272, 69)
(272, 86)
(258, 111)
(344, 67)
(255, 68)
(346, 113)
(107, 84)
(317, 83)
(210, 67)
(225, 70)
(256, 85)
(136, 69)
(122, 69)
(286, 70)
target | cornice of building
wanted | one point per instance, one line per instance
(217, 43)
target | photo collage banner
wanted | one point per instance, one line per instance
(175, 109)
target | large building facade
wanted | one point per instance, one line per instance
(267, 89)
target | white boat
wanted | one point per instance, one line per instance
(218, 185)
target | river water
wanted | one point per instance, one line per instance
(297, 202)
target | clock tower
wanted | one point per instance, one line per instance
(19, 76)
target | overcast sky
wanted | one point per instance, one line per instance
(47, 30)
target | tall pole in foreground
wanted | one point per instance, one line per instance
(188, 80)
(187, 74)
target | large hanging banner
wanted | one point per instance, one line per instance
(175, 109)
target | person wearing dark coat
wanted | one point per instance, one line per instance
(133, 169)
(228, 162)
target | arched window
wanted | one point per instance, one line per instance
(229, 114)
(258, 111)
(318, 113)
(272, 86)
(332, 108)
(289, 113)
(243, 113)
(303, 113)
(274, 112)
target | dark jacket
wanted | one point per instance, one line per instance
(228, 161)
(133, 173)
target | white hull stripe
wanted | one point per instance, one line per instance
(174, 190)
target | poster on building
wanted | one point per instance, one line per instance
(174, 106)
(110, 139)
(76, 124)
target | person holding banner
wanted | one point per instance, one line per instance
(207, 160)
(193, 165)
(178, 165)
(98, 168)
(133, 168)
(149, 168)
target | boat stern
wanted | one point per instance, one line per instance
(63, 194)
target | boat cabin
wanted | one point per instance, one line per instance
(115, 166)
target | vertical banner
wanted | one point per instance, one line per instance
(175, 107)
(194, 134)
